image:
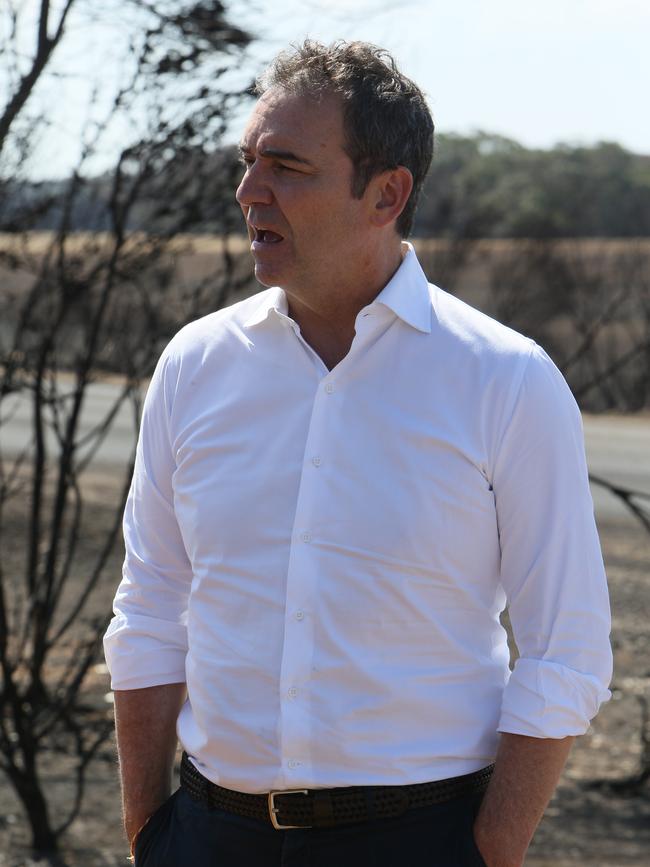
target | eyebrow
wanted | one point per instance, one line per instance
(278, 153)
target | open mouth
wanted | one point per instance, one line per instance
(266, 236)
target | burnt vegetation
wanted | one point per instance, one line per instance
(75, 307)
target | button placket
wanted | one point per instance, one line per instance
(295, 725)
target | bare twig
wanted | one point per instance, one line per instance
(45, 45)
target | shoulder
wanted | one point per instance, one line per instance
(488, 359)
(504, 376)
(204, 345)
(210, 331)
(501, 350)
(475, 332)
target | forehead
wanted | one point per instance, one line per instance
(292, 120)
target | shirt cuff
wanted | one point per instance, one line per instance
(144, 652)
(548, 700)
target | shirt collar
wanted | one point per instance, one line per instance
(406, 294)
(272, 299)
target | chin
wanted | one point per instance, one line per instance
(270, 276)
(265, 277)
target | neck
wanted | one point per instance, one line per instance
(327, 314)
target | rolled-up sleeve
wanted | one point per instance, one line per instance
(146, 641)
(551, 567)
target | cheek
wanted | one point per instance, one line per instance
(324, 218)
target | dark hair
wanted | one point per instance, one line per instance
(386, 120)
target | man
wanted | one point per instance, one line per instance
(339, 484)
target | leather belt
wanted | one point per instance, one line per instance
(324, 808)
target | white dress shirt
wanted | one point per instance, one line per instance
(322, 556)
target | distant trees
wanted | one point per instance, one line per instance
(487, 186)
(482, 186)
(72, 306)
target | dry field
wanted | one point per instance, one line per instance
(583, 825)
(466, 268)
(584, 300)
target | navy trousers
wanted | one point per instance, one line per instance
(184, 832)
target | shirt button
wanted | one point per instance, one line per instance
(300, 615)
(329, 388)
(316, 461)
(292, 692)
(306, 537)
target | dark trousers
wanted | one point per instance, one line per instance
(188, 833)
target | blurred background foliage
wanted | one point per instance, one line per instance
(487, 186)
(480, 186)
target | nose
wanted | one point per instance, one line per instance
(253, 188)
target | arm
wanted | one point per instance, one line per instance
(525, 776)
(146, 641)
(145, 723)
(551, 566)
(552, 573)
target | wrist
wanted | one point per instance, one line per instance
(133, 837)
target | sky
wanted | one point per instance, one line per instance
(538, 71)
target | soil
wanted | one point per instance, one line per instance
(587, 823)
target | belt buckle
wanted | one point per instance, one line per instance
(273, 810)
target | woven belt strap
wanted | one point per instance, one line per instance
(322, 808)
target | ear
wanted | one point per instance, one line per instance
(390, 192)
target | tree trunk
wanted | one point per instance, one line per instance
(28, 789)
